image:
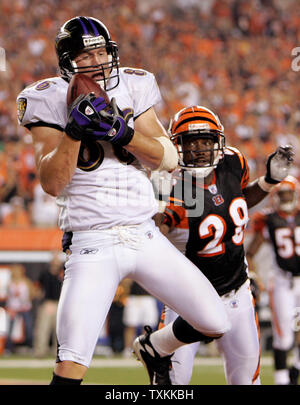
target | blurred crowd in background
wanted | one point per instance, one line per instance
(232, 56)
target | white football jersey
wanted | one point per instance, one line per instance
(104, 191)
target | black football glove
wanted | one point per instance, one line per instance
(112, 126)
(84, 113)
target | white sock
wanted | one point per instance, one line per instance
(281, 377)
(164, 341)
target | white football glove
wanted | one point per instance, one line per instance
(279, 164)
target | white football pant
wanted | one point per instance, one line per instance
(239, 346)
(99, 260)
(285, 306)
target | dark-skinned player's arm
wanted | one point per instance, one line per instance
(277, 168)
(172, 216)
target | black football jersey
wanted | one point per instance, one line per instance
(284, 234)
(215, 238)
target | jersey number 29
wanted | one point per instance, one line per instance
(214, 225)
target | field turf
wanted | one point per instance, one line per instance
(115, 371)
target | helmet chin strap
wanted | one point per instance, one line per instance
(74, 65)
(201, 172)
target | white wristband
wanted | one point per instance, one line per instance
(267, 187)
(170, 159)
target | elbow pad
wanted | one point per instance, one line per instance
(170, 158)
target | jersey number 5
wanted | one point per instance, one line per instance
(288, 242)
(214, 225)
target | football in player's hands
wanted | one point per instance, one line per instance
(92, 114)
(85, 99)
(84, 117)
(81, 84)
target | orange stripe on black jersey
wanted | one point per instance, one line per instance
(239, 154)
(175, 215)
(244, 165)
(171, 217)
(245, 178)
(258, 221)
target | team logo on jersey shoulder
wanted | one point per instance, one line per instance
(43, 85)
(21, 107)
(218, 200)
(137, 72)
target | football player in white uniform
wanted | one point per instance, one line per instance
(94, 159)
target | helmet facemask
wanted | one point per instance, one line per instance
(83, 34)
(200, 151)
(199, 137)
(99, 70)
